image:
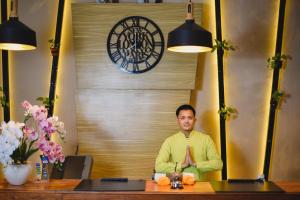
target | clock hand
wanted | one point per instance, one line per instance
(132, 46)
(135, 41)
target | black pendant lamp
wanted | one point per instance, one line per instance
(189, 37)
(14, 35)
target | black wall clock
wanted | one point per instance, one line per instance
(135, 44)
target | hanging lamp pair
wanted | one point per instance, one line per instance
(187, 38)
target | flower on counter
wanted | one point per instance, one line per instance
(18, 141)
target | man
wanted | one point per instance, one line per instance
(188, 150)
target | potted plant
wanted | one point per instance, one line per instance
(227, 111)
(18, 141)
(277, 60)
(54, 47)
(223, 45)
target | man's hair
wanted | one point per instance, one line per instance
(185, 107)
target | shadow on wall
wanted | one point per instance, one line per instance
(101, 166)
(200, 71)
(208, 123)
(205, 19)
(251, 43)
(198, 80)
(209, 126)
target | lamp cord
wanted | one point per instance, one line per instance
(189, 15)
(14, 8)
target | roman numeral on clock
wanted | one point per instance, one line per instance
(155, 54)
(124, 64)
(113, 45)
(135, 21)
(116, 56)
(135, 67)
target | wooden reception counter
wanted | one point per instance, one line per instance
(64, 189)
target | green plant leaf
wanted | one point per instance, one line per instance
(227, 111)
(275, 61)
(30, 152)
(277, 95)
(223, 45)
(40, 99)
(53, 43)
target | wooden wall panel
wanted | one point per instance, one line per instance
(91, 26)
(122, 119)
(124, 129)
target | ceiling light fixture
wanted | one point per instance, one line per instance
(189, 37)
(14, 35)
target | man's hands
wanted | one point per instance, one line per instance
(188, 161)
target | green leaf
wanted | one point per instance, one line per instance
(232, 110)
(227, 111)
(274, 61)
(30, 144)
(30, 152)
(40, 99)
(222, 45)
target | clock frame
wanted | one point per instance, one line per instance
(135, 44)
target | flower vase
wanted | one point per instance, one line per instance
(17, 174)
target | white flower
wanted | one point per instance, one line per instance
(13, 128)
(33, 109)
(9, 140)
(59, 126)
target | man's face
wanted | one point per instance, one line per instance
(186, 120)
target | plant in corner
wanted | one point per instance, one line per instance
(54, 47)
(18, 141)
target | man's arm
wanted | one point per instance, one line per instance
(214, 161)
(162, 163)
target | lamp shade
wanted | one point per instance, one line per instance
(14, 35)
(189, 38)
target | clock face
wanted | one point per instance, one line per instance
(135, 44)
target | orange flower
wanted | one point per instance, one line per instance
(188, 180)
(163, 181)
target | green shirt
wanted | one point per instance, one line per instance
(203, 152)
